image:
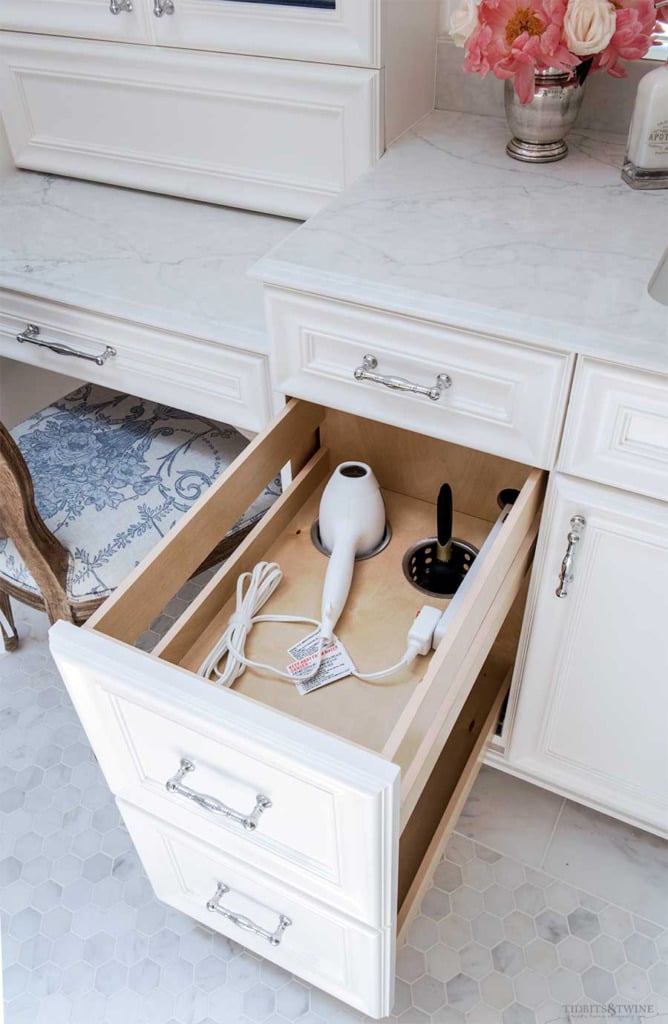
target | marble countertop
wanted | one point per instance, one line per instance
(151, 259)
(449, 229)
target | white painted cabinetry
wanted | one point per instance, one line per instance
(271, 107)
(592, 716)
(358, 784)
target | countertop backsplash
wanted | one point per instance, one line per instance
(607, 105)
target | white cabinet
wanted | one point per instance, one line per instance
(328, 31)
(267, 106)
(592, 717)
(92, 19)
(279, 136)
(352, 789)
(617, 429)
(178, 369)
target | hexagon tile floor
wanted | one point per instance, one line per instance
(508, 933)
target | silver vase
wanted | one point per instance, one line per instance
(539, 128)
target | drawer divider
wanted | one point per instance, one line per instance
(196, 631)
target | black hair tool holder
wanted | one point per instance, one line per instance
(437, 565)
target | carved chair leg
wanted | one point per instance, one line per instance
(7, 625)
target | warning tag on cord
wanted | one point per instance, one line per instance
(335, 663)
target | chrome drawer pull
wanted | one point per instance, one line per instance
(567, 575)
(116, 6)
(210, 803)
(273, 938)
(161, 7)
(369, 364)
(31, 336)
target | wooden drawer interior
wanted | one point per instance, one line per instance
(406, 719)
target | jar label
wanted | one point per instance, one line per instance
(657, 138)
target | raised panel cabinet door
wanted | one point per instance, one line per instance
(592, 715)
(325, 31)
(126, 21)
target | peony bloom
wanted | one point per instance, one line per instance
(589, 25)
(635, 23)
(516, 37)
(463, 21)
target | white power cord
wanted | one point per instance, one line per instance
(253, 591)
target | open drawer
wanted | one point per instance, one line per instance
(363, 779)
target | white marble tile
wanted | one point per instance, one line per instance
(532, 814)
(611, 860)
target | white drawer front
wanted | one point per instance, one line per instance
(189, 373)
(349, 960)
(278, 136)
(617, 428)
(503, 398)
(331, 829)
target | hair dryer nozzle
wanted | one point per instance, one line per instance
(352, 522)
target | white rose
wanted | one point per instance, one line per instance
(589, 25)
(463, 21)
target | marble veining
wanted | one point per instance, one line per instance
(151, 259)
(449, 229)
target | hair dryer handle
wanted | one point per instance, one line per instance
(338, 580)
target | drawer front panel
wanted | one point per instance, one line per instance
(503, 398)
(277, 136)
(617, 428)
(192, 374)
(331, 827)
(347, 959)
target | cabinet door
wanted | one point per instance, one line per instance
(329, 31)
(592, 716)
(91, 19)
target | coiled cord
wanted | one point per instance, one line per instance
(227, 660)
(253, 591)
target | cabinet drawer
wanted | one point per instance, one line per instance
(189, 373)
(503, 398)
(345, 767)
(320, 944)
(617, 428)
(282, 137)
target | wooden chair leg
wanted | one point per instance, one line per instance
(8, 631)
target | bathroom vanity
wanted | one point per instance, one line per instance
(527, 288)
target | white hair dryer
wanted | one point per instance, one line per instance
(352, 523)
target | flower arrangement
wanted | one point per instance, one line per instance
(516, 38)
